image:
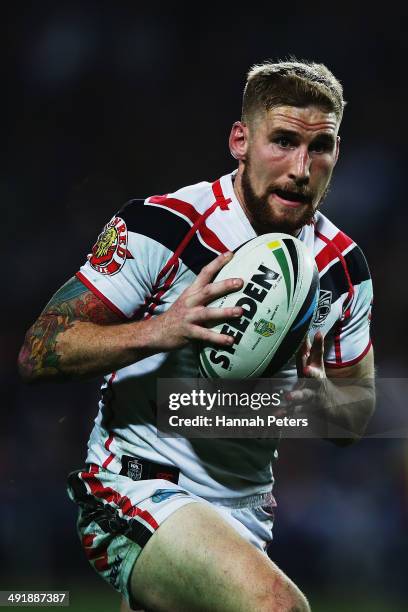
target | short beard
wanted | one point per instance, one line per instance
(265, 219)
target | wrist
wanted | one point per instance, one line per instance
(147, 337)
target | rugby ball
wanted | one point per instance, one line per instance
(279, 299)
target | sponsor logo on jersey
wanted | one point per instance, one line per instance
(265, 328)
(253, 296)
(110, 252)
(114, 572)
(323, 307)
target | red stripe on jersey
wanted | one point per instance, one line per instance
(351, 362)
(109, 440)
(87, 540)
(108, 460)
(140, 310)
(219, 195)
(337, 346)
(110, 495)
(332, 249)
(102, 564)
(340, 240)
(208, 236)
(99, 554)
(155, 300)
(95, 553)
(107, 444)
(196, 218)
(100, 295)
(180, 206)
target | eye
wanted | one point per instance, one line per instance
(283, 141)
(321, 147)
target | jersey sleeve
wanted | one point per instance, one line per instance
(123, 266)
(350, 340)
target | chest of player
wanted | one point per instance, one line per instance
(167, 292)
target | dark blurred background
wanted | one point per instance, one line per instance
(107, 101)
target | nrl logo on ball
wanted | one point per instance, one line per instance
(265, 328)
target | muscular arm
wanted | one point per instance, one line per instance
(77, 336)
(353, 389)
(346, 397)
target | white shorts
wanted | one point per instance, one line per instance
(118, 515)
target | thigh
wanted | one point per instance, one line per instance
(196, 561)
(118, 516)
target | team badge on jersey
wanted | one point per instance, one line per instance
(323, 307)
(110, 252)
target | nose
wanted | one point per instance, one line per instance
(300, 167)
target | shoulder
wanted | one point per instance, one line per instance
(187, 203)
(167, 218)
(178, 222)
(342, 266)
(335, 250)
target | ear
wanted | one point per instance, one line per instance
(238, 140)
(337, 149)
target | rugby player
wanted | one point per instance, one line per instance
(176, 524)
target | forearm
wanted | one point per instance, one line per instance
(77, 336)
(57, 350)
(348, 407)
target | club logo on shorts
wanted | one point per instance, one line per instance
(110, 252)
(323, 307)
(135, 470)
(162, 494)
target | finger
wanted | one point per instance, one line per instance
(208, 293)
(315, 372)
(205, 314)
(207, 273)
(302, 356)
(317, 351)
(207, 336)
(302, 396)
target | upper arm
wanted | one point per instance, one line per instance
(75, 302)
(361, 370)
(127, 264)
(348, 345)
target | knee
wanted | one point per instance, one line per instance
(300, 604)
(289, 599)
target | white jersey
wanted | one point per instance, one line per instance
(145, 257)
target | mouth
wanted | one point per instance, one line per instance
(293, 199)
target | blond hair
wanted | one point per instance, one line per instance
(291, 83)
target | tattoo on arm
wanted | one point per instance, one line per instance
(39, 353)
(73, 302)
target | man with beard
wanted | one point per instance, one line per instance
(176, 524)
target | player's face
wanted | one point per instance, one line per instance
(286, 170)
